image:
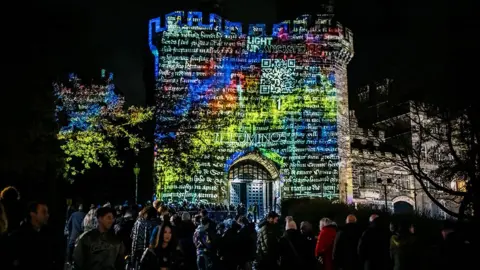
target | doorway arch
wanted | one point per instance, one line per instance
(253, 179)
(403, 205)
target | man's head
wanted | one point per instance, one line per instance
(105, 217)
(351, 219)
(306, 227)
(373, 217)
(38, 214)
(272, 217)
(186, 216)
(204, 213)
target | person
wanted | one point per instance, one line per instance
(123, 230)
(255, 212)
(3, 221)
(99, 249)
(403, 251)
(14, 210)
(247, 243)
(228, 244)
(31, 245)
(310, 243)
(203, 242)
(143, 232)
(184, 234)
(345, 254)
(325, 242)
(90, 220)
(454, 245)
(163, 253)
(74, 228)
(267, 243)
(292, 247)
(3, 235)
(374, 245)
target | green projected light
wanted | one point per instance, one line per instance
(223, 95)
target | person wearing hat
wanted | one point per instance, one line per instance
(267, 243)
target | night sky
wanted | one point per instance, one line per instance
(412, 41)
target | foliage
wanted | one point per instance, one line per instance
(94, 124)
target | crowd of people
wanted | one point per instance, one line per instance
(162, 236)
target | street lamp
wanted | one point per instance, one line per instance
(136, 171)
(389, 181)
(161, 180)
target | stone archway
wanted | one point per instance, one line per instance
(253, 179)
(403, 205)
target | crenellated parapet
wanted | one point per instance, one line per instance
(319, 28)
(365, 135)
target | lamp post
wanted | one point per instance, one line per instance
(136, 171)
(389, 181)
(161, 180)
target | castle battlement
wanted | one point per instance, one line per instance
(310, 28)
(365, 135)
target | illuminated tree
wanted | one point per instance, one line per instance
(95, 123)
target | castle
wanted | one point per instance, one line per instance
(266, 110)
(380, 177)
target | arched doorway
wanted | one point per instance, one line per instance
(403, 205)
(254, 179)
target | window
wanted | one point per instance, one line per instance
(370, 179)
(361, 180)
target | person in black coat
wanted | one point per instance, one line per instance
(293, 248)
(345, 255)
(30, 247)
(228, 246)
(374, 246)
(247, 243)
(123, 230)
(184, 233)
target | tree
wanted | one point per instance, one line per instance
(95, 124)
(439, 146)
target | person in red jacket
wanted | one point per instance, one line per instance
(325, 241)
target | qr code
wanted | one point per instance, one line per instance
(278, 76)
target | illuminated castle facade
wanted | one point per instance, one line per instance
(264, 108)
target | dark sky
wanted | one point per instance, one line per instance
(409, 40)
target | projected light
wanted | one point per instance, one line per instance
(229, 94)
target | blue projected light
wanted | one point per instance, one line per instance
(234, 27)
(154, 25)
(226, 94)
(257, 30)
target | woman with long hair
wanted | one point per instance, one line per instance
(141, 232)
(163, 253)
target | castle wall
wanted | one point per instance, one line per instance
(279, 90)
